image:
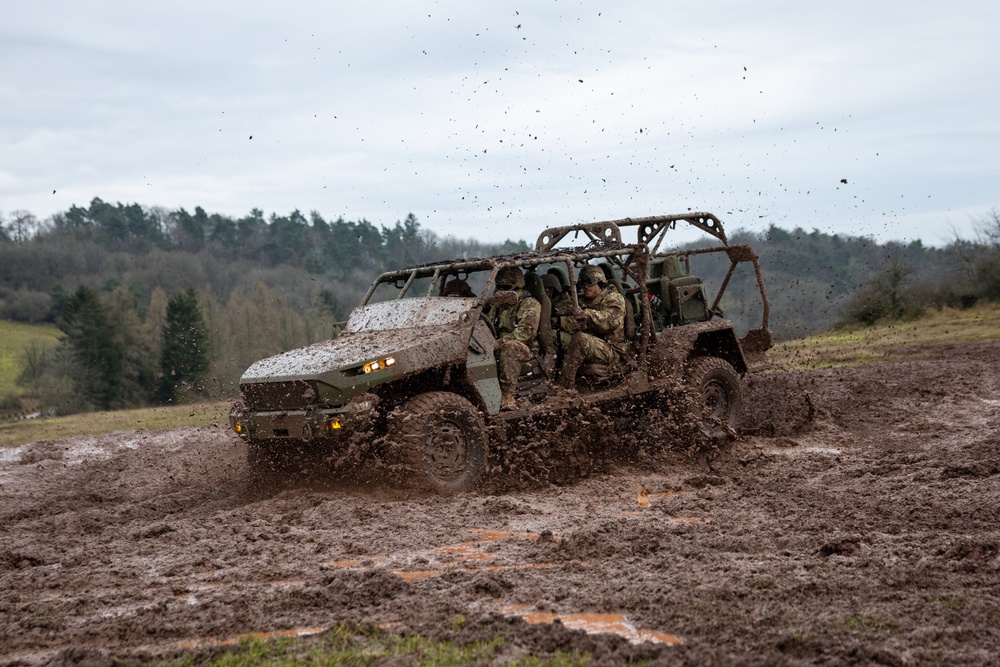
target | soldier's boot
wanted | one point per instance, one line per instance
(508, 398)
(571, 364)
(509, 368)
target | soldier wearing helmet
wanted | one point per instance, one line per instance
(517, 330)
(457, 287)
(597, 331)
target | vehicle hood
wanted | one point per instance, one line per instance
(414, 349)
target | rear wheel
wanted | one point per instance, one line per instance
(442, 440)
(720, 395)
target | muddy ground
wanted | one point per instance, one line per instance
(854, 522)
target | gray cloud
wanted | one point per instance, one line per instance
(495, 120)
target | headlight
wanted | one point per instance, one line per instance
(378, 365)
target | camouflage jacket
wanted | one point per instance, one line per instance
(520, 322)
(605, 317)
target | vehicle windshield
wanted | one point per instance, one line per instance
(408, 313)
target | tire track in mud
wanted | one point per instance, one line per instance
(865, 531)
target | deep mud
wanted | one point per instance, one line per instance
(855, 522)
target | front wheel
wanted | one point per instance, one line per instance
(442, 440)
(720, 395)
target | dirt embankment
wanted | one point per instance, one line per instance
(856, 522)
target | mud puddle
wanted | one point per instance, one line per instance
(594, 624)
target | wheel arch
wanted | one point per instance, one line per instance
(721, 343)
(451, 379)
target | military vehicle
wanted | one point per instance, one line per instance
(415, 367)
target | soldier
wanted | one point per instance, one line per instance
(517, 330)
(598, 330)
(457, 287)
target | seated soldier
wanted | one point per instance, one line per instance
(597, 331)
(517, 330)
(457, 287)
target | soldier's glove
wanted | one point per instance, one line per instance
(503, 299)
(581, 320)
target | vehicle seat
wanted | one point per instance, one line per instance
(687, 300)
(660, 306)
(561, 275)
(533, 283)
(535, 371)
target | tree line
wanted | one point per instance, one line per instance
(160, 306)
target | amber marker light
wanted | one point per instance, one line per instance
(378, 365)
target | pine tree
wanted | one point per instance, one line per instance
(100, 369)
(185, 355)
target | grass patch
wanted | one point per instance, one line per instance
(14, 336)
(951, 602)
(349, 644)
(865, 626)
(99, 423)
(887, 342)
(762, 583)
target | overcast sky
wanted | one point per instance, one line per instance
(495, 119)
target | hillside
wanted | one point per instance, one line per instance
(15, 339)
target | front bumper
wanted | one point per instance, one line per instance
(305, 425)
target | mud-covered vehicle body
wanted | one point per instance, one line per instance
(418, 370)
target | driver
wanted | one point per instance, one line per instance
(517, 331)
(598, 330)
(457, 287)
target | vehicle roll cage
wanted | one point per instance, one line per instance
(655, 228)
(634, 266)
(604, 241)
(650, 227)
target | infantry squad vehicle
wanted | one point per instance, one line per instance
(417, 371)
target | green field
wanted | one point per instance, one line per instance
(99, 423)
(14, 336)
(886, 342)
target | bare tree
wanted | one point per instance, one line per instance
(988, 228)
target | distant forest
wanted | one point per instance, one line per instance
(161, 283)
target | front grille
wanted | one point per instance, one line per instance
(267, 396)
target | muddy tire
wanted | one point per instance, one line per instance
(442, 441)
(719, 394)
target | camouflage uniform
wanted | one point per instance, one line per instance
(596, 336)
(517, 330)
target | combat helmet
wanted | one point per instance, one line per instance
(550, 281)
(510, 277)
(592, 275)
